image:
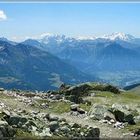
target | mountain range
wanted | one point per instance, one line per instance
(50, 60)
(26, 67)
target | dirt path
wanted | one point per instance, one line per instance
(105, 129)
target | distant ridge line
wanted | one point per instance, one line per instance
(131, 86)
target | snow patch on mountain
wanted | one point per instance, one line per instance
(48, 37)
(119, 36)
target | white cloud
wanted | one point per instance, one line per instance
(2, 15)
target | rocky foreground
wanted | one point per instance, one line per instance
(88, 110)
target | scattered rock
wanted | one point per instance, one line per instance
(50, 117)
(118, 125)
(1, 89)
(53, 118)
(137, 132)
(65, 129)
(75, 125)
(16, 120)
(6, 113)
(45, 133)
(137, 119)
(93, 133)
(44, 105)
(6, 130)
(97, 112)
(109, 116)
(74, 107)
(112, 121)
(122, 113)
(81, 111)
(53, 126)
(92, 94)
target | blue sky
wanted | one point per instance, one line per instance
(71, 19)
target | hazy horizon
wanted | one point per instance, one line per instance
(19, 21)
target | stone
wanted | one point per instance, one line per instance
(1, 89)
(3, 123)
(6, 130)
(103, 121)
(80, 89)
(35, 112)
(75, 125)
(6, 112)
(109, 116)
(30, 123)
(122, 113)
(65, 129)
(74, 107)
(45, 105)
(118, 125)
(51, 96)
(112, 121)
(93, 133)
(92, 94)
(2, 105)
(62, 120)
(37, 97)
(81, 111)
(97, 112)
(63, 87)
(16, 120)
(74, 113)
(137, 132)
(51, 117)
(58, 96)
(47, 115)
(137, 119)
(45, 133)
(75, 93)
(109, 123)
(53, 126)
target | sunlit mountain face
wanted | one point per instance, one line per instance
(112, 58)
(27, 67)
(50, 60)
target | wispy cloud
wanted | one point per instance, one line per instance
(2, 15)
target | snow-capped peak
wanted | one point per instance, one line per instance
(3, 39)
(48, 37)
(85, 38)
(55, 38)
(119, 36)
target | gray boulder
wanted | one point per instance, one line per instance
(6, 130)
(137, 132)
(65, 129)
(122, 113)
(109, 116)
(75, 125)
(16, 120)
(74, 107)
(50, 117)
(97, 112)
(119, 125)
(45, 133)
(53, 126)
(137, 119)
(1, 89)
(81, 111)
(93, 133)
